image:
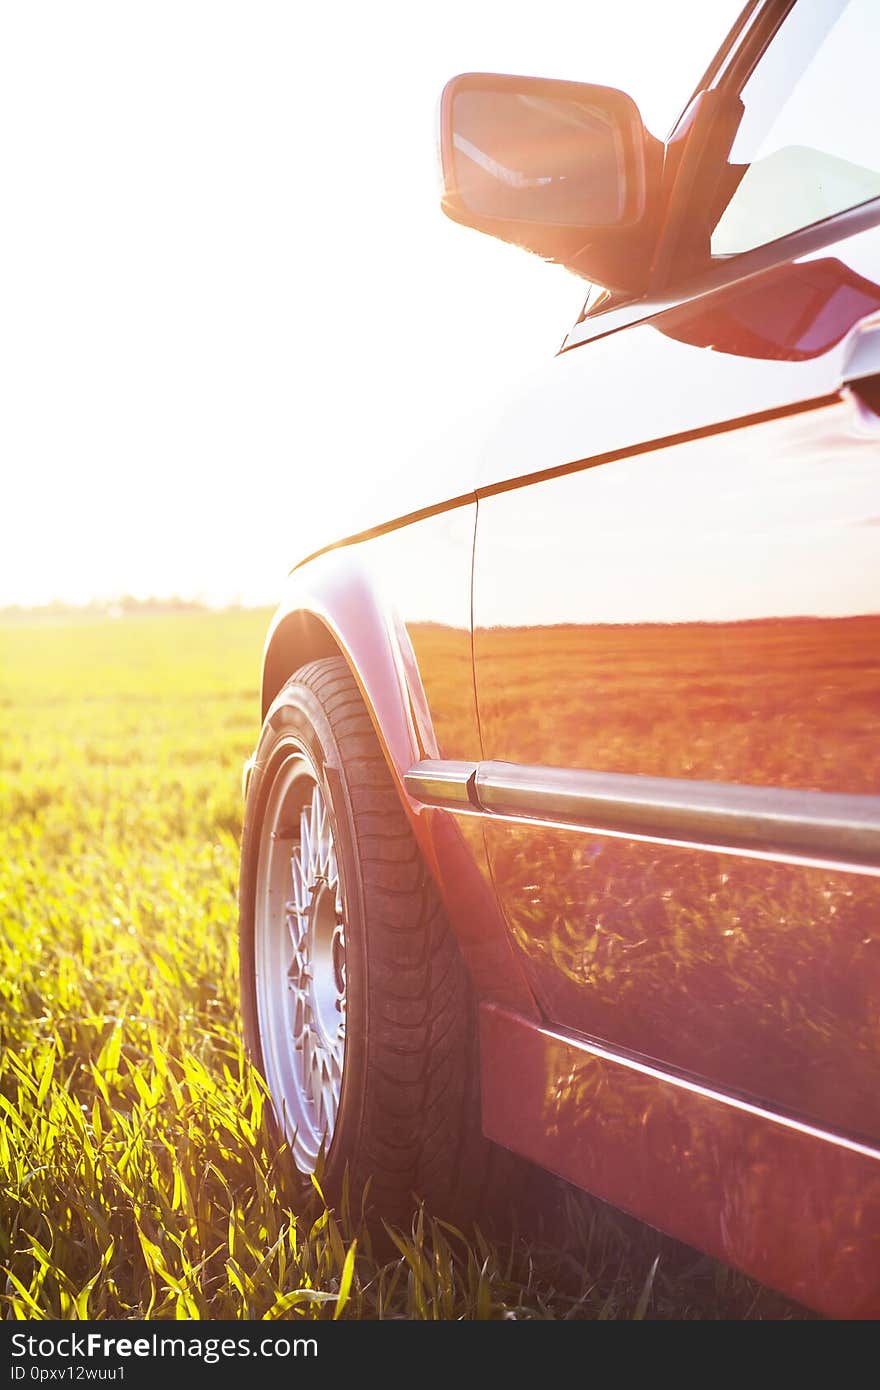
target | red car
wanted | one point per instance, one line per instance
(563, 828)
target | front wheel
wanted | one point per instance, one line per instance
(357, 1007)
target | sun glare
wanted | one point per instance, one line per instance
(231, 302)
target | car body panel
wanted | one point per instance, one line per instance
(558, 414)
(706, 610)
(397, 607)
(786, 1203)
(709, 609)
(756, 977)
(691, 368)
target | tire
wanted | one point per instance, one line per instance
(357, 1006)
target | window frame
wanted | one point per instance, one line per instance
(678, 282)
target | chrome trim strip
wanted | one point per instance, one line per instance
(819, 826)
(440, 783)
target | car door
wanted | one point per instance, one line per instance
(677, 624)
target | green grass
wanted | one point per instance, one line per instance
(137, 1174)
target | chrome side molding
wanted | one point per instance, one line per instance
(827, 827)
(439, 783)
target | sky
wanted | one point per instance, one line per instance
(228, 298)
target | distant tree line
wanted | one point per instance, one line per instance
(124, 606)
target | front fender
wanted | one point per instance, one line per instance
(333, 606)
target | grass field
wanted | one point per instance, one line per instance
(138, 1177)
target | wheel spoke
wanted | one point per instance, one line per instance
(307, 940)
(297, 925)
(305, 846)
(325, 840)
(299, 881)
(315, 832)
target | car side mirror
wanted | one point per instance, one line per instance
(563, 169)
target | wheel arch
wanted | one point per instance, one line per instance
(332, 607)
(296, 638)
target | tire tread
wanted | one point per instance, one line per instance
(420, 1134)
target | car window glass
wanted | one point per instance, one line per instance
(806, 151)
